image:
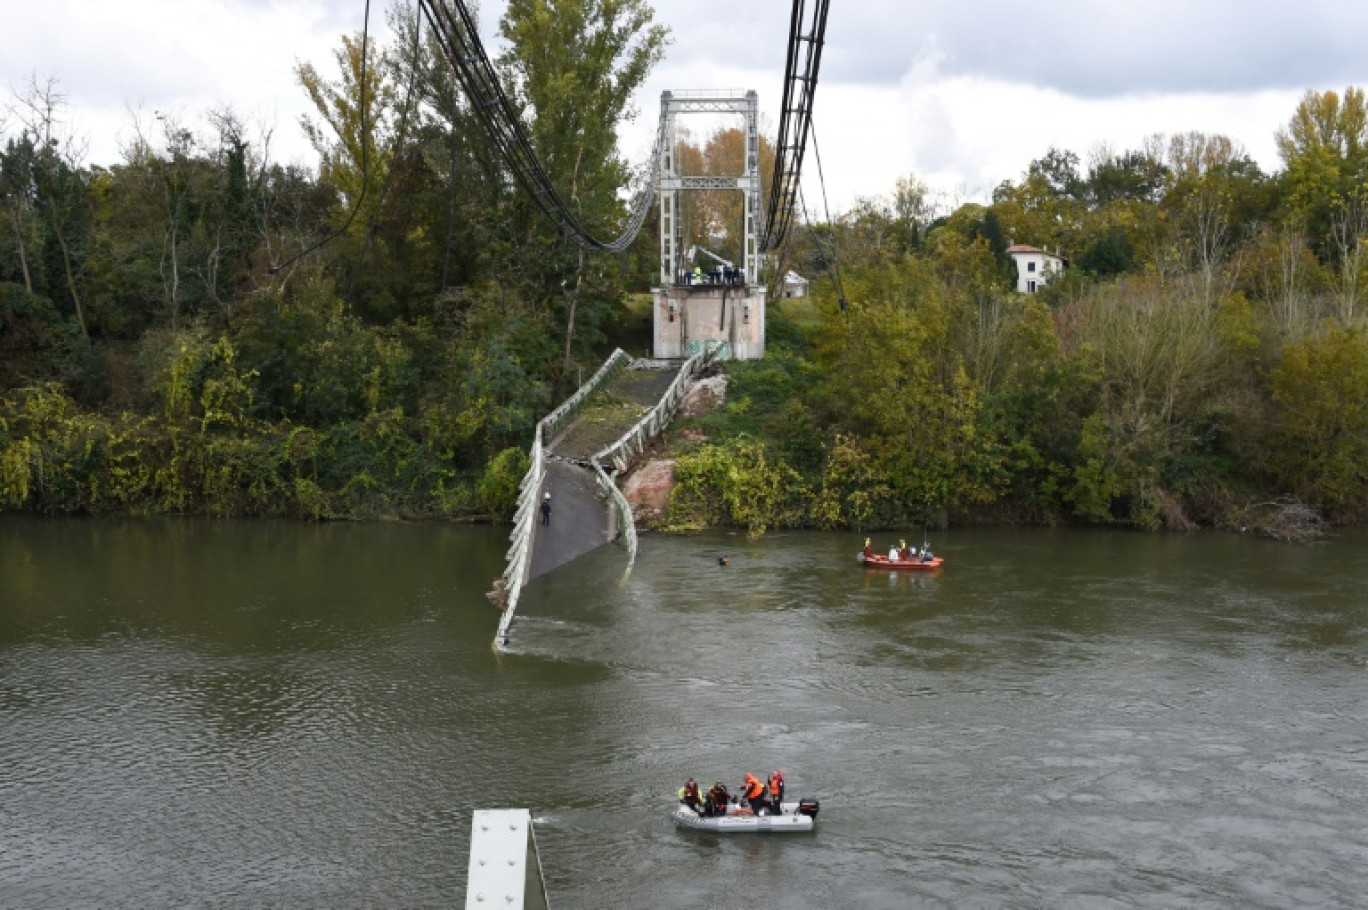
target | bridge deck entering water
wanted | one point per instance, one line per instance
(580, 519)
(577, 451)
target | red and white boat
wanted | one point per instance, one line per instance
(915, 564)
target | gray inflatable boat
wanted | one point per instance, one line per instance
(799, 816)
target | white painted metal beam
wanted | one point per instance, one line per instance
(505, 871)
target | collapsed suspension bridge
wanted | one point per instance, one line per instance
(693, 324)
(684, 326)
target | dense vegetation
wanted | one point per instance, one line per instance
(1202, 362)
(164, 346)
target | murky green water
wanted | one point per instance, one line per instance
(280, 715)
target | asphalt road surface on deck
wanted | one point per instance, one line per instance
(579, 517)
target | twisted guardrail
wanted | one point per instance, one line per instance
(655, 420)
(630, 443)
(519, 555)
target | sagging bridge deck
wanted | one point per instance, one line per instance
(576, 452)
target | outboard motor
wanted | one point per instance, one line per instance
(809, 807)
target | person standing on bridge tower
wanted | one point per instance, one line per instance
(546, 509)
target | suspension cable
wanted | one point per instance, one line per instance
(365, 168)
(795, 119)
(826, 209)
(459, 39)
(458, 36)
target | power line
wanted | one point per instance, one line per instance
(365, 169)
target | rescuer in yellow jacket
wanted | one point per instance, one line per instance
(689, 796)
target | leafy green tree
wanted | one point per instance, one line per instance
(1134, 175)
(1320, 388)
(17, 185)
(575, 65)
(1325, 150)
(1108, 255)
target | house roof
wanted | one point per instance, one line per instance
(1027, 248)
(795, 278)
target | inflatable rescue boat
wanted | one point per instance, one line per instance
(799, 816)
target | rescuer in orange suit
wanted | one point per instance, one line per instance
(753, 792)
(776, 791)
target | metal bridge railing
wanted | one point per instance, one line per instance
(626, 526)
(634, 441)
(519, 554)
(630, 443)
(655, 420)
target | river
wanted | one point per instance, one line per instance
(267, 714)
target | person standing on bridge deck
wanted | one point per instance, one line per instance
(546, 509)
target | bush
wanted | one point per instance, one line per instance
(497, 490)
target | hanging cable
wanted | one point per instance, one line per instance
(795, 118)
(459, 38)
(365, 169)
(826, 209)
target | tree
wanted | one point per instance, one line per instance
(1059, 169)
(1135, 175)
(18, 189)
(1109, 254)
(58, 182)
(575, 65)
(1320, 387)
(1325, 148)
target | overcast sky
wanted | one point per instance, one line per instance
(959, 94)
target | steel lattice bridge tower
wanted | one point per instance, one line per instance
(689, 315)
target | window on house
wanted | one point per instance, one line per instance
(1030, 287)
(1030, 266)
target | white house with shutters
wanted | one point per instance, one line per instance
(1035, 267)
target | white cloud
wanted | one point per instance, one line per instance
(961, 95)
(183, 58)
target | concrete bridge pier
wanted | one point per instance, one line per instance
(688, 318)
